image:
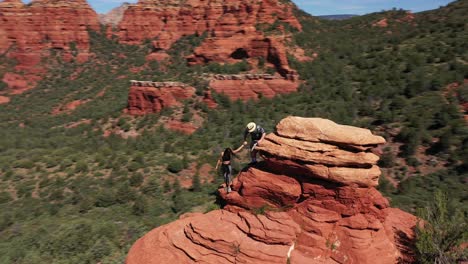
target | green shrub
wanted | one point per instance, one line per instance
(175, 166)
(81, 166)
(105, 198)
(5, 197)
(140, 206)
(136, 179)
(438, 239)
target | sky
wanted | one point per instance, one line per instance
(324, 7)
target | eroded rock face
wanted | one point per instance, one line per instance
(230, 27)
(147, 99)
(168, 20)
(282, 211)
(253, 89)
(27, 32)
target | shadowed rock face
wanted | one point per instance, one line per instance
(285, 209)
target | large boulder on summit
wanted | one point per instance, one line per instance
(324, 149)
(312, 200)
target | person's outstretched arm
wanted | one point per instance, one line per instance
(219, 161)
(239, 148)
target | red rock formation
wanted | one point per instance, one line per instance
(244, 46)
(147, 99)
(208, 100)
(27, 32)
(381, 23)
(231, 26)
(4, 100)
(284, 211)
(179, 126)
(168, 20)
(253, 89)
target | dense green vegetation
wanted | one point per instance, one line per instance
(440, 235)
(70, 195)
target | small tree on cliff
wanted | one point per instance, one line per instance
(439, 237)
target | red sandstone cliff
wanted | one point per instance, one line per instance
(231, 28)
(28, 32)
(152, 97)
(253, 89)
(318, 185)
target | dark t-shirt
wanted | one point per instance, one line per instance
(256, 134)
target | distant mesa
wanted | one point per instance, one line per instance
(312, 200)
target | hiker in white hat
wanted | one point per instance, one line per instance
(257, 134)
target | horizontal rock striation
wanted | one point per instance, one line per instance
(28, 32)
(168, 20)
(151, 97)
(310, 201)
(324, 149)
(230, 27)
(253, 89)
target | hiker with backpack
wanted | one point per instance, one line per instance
(225, 162)
(257, 134)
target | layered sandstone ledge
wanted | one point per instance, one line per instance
(146, 97)
(253, 89)
(284, 211)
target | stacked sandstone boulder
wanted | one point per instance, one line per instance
(313, 200)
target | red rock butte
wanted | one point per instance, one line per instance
(231, 28)
(146, 97)
(312, 200)
(28, 32)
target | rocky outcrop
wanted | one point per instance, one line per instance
(179, 126)
(208, 99)
(249, 44)
(168, 20)
(147, 97)
(28, 32)
(285, 210)
(230, 26)
(253, 89)
(4, 100)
